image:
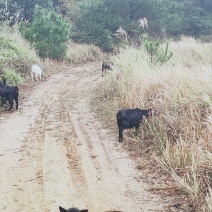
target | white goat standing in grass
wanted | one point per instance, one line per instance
(36, 70)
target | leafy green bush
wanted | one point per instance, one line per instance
(15, 52)
(96, 21)
(156, 52)
(12, 77)
(48, 32)
(163, 55)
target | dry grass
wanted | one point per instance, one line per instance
(81, 53)
(180, 137)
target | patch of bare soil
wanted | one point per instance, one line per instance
(55, 151)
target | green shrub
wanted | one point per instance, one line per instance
(15, 52)
(12, 77)
(48, 32)
(163, 55)
(156, 52)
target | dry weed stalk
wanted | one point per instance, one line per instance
(122, 33)
(143, 22)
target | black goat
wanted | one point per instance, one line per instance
(9, 93)
(72, 210)
(106, 66)
(2, 83)
(130, 118)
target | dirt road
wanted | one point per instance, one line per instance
(54, 151)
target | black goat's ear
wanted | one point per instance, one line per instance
(84, 210)
(62, 209)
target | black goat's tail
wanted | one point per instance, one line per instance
(119, 118)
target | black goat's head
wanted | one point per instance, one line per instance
(72, 210)
(152, 112)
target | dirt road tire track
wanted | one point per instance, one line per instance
(54, 151)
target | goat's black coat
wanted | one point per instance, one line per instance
(106, 66)
(71, 210)
(9, 93)
(130, 118)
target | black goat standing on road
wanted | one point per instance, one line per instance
(9, 93)
(106, 66)
(130, 118)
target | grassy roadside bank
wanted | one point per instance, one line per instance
(178, 140)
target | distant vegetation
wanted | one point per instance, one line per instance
(96, 21)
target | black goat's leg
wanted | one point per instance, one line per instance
(16, 101)
(10, 100)
(137, 128)
(120, 134)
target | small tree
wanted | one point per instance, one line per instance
(90, 24)
(163, 55)
(156, 53)
(48, 33)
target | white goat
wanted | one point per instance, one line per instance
(36, 70)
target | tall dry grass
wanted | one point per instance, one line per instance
(81, 53)
(180, 137)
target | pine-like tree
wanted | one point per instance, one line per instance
(48, 32)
